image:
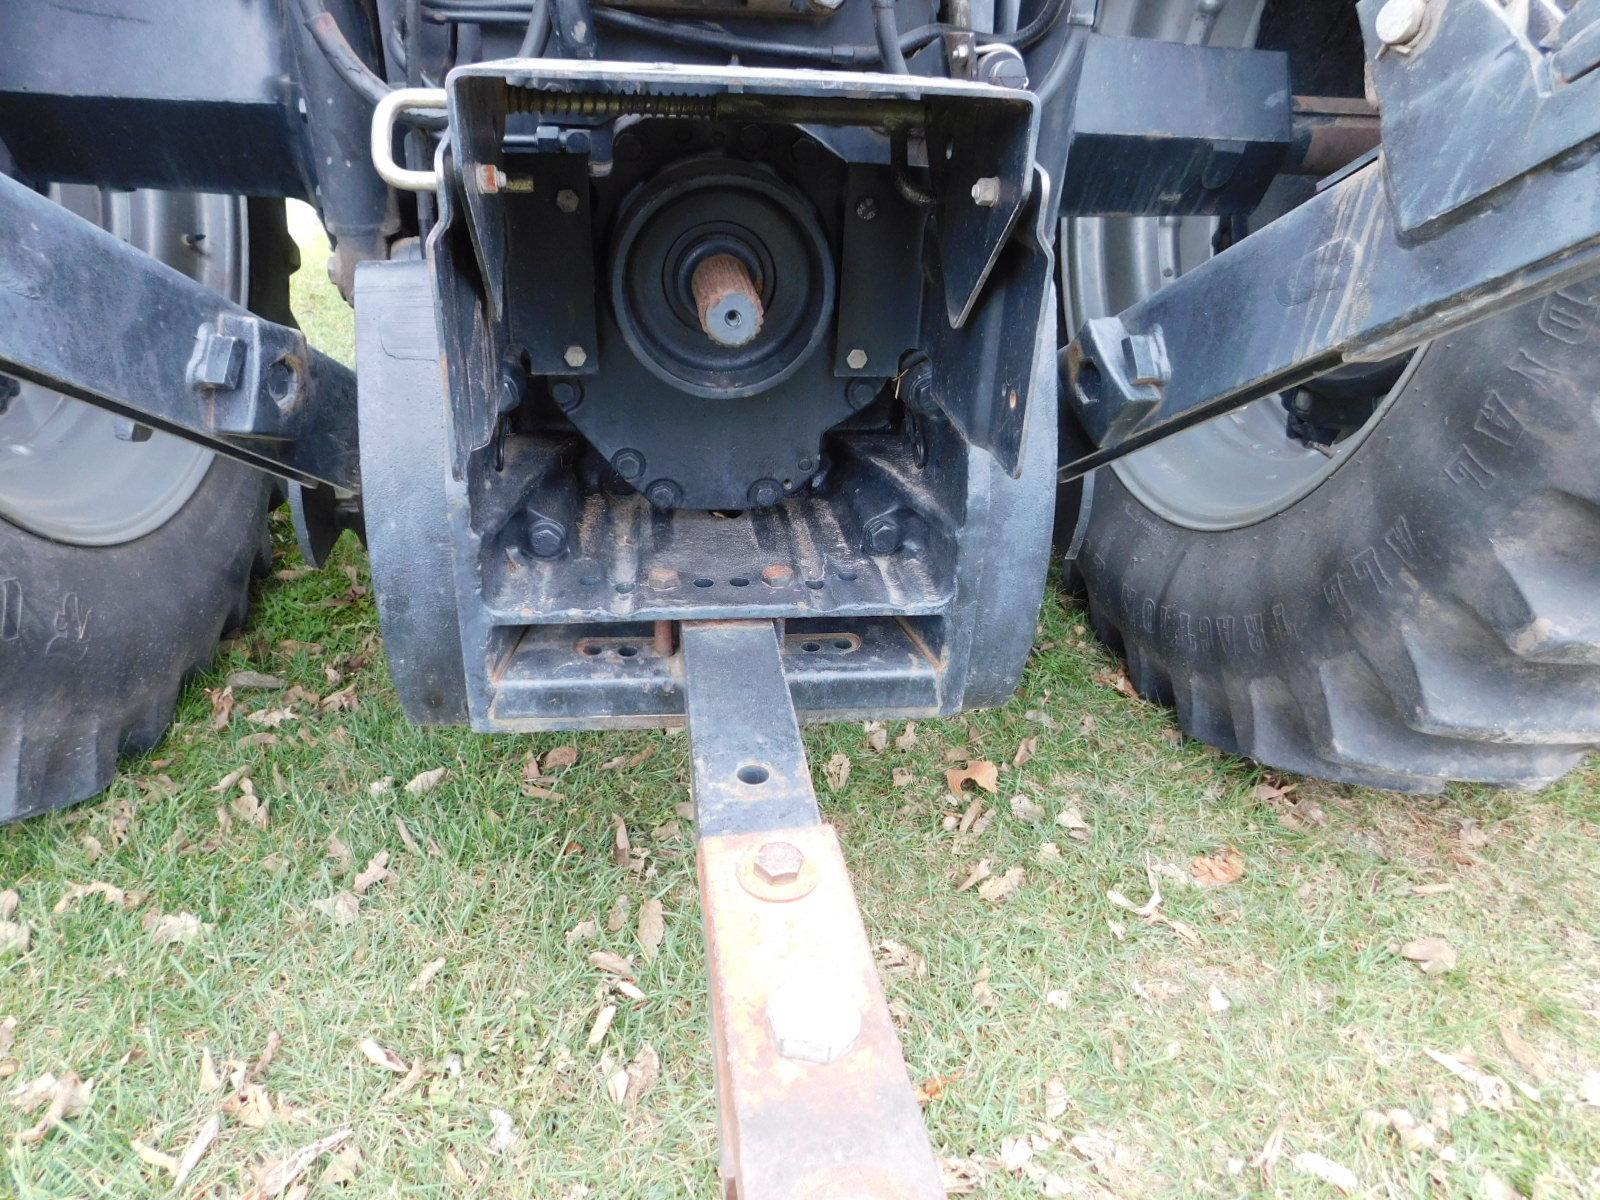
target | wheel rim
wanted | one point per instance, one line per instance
(72, 472)
(1242, 467)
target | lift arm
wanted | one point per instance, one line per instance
(86, 314)
(1425, 238)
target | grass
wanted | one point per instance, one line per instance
(1075, 1048)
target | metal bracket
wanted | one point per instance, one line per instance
(813, 1094)
(88, 315)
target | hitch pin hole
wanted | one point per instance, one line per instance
(752, 773)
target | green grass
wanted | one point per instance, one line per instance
(1326, 1021)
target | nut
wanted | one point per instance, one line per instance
(866, 208)
(546, 538)
(779, 862)
(1399, 22)
(856, 359)
(664, 494)
(567, 200)
(567, 393)
(883, 534)
(860, 393)
(575, 356)
(986, 192)
(777, 574)
(815, 1016)
(628, 463)
(765, 493)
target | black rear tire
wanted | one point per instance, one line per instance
(95, 641)
(1430, 612)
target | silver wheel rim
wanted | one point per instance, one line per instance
(71, 472)
(1242, 467)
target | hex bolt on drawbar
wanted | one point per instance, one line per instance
(813, 1095)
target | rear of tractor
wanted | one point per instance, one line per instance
(742, 365)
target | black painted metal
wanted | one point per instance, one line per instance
(1476, 103)
(86, 314)
(749, 766)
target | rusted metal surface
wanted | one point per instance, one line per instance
(814, 1097)
(1330, 133)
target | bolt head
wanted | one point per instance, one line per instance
(628, 463)
(546, 539)
(664, 494)
(779, 862)
(567, 200)
(765, 493)
(567, 393)
(130, 431)
(575, 356)
(860, 393)
(866, 208)
(1400, 21)
(815, 1016)
(986, 192)
(856, 359)
(883, 535)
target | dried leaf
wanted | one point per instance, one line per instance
(643, 1072)
(1072, 821)
(268, 1053)
(561, 758)
(1216, 1001)
(342, 1167)
(254, 681)
(994, 890)
(907, 737)
(196, 1150)
(504, 1133)
(340, 853)
(979, 872)
(1433, 955)
(426, 781)
(174, 929)
(231, 778)
(342, 908)
(902, 777)
(425, 976)
(583, 931)
(382, 1056)
(66, 1097)
(877, 737)
(896, 958)
(210, 1081)
(980, 772)
(222, 703)
(652, 927)
(113, 896)
(1049, 852)
(1489, 1091)
(375, 872)
(602, 1025)
(151, 1157)
(1026, 749)
(406, 840)
(1221, 869)
(272, 717)
(1523, 1054)
(1340, 1178)
(1025, 809)
(932, 1088)
(837, 772)
(621, 846)
(1058, 1000)
(1117, 681)
(274, 1178)
(611, 964)
(617, 1086)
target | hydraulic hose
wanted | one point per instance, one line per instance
(887, 29)
(342, 57)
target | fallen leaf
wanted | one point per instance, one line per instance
(8, 1033)
(621, 846)
(268, 1053)
(406, 840)
(896, 958)
(1523, 1054)
(375, 872)
(1489, 1091)
(380, 787)
(907, 737)
(934, 1087)
(63, 1098)
(970, 817)
(174, 929)
(1072, 821)
(340, 853)
(627, 762)
(837, 771)
(980, 871)
(114, 896)
(983, 993)
(643, 1072)
(274, 1178)
(1495, 1188)
(1224, 867)
(997, 889)
(877, 737)
(407, 1082)
(902, 777)
(602, 1024)
(1026, 749)
(617, 1086)
(425, 976)
(272, 718)
(561, 758)
(210, 1081)
(1266, 1159)
(981, 772)
(260, 739)
(1055, 1098)
(1025, 809)
(151, 1157)
(1049, 852)
(1117, 681)
(222, 704)
(343, 1166)
(196, 1150)
(1216, 1001)
(342, 908)
(426, 781)
(1341, 1178)
(1432, 889)
(1433, 955)
(652, 927)
(381, 1056)
(1059, 1001)
(611, 964)
(254, 681)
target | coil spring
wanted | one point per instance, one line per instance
(601, 104)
